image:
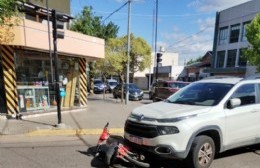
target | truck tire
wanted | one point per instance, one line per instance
(202, 152)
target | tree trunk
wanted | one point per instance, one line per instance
(131, 78)
(104, 89)
(122, 87)
(91, 77)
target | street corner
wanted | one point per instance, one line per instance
(73, 132)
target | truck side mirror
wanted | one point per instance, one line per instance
(234, 102)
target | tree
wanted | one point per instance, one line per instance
(252, 53)
(191, 61)
(89, 24)
(140, 55)
(9, 8)
(115, 60)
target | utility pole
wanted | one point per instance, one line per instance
(49, 39)
(128, 53)
(155, 40)
(152, 44)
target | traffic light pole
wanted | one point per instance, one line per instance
(155, 44)
(55, 54)
(158, 60)
(156, 73)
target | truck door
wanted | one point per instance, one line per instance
(242, 122)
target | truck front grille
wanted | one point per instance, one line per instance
(141, 130)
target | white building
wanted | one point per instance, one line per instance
(168, 70)
(230, 39)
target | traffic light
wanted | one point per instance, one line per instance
(159, 57)
(57, 23)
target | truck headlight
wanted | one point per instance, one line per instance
(166, 130)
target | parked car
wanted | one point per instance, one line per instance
(111, 84)
(204, 118)
(99, 86)
(163, 89)
(135, 93)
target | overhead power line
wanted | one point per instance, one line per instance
(150, 15)
(190, 44)
(115, 12)
(188, 37)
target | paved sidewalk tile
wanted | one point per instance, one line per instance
(90, 120)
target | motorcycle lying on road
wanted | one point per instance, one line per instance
(111, 149)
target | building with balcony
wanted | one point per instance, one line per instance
(27, 80)
(230, 40)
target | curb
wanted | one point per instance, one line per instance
(46, 113)
(53, 132)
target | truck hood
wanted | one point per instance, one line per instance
(164, 110)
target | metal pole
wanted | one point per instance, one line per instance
(128, 52)
(49, 38)
(157, 67)
(152, 66)
(55, 54)
(155, 45)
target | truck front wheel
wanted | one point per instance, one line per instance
(202, 152)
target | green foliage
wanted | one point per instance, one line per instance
(89, 24)
(140, 55)
(115, 60)
(116, 56)
(8, 8)
(191, 61)
(252, 53)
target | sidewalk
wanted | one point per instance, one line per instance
(86, 121)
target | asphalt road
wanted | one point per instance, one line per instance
(76, 151)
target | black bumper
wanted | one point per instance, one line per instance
(172, 154)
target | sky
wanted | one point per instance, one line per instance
(185, 27)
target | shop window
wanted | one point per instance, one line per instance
(35, 80)
(220, 59)
(223, 36)
(231, 58)
(234, 33)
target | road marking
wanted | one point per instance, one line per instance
(46, 132)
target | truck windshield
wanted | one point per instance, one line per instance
(204, 94)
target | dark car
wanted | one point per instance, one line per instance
(99, 86)
(135, 93)
(164, 89)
